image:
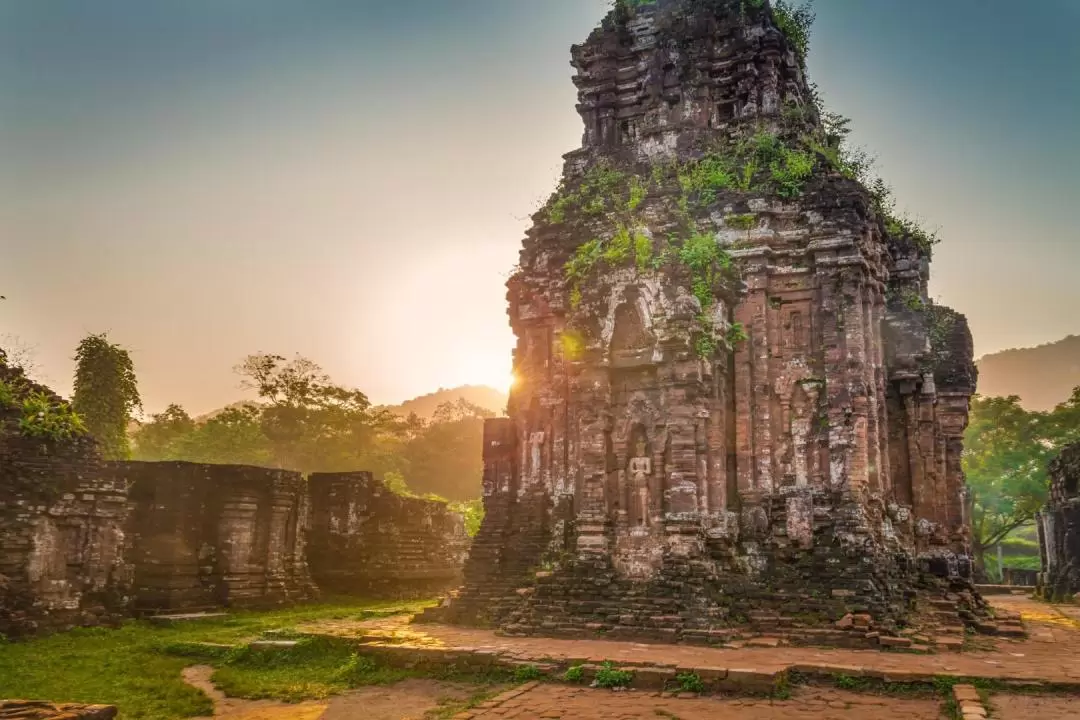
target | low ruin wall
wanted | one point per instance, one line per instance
(202, 536)
(1059, 528)
(86, 542)
(370, 541)
(61, 528)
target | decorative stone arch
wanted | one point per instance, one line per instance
(628, 333)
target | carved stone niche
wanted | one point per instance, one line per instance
(632, 343)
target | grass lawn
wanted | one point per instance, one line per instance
(137, 666)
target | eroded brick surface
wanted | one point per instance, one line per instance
(1059, 528)
(200, 536)
(368, 541)
(61, 527)
(660, 476)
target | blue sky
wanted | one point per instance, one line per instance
(351, 180)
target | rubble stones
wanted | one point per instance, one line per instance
(37, 710)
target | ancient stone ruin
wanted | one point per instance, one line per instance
(61, 524)
(369, 541)
(85, 542)
(735, 401)
(205, 536)
(1059, 528)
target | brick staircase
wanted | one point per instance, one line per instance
(500, 565)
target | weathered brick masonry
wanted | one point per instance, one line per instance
(1059, 528)
(202, 536)
(779, 445)
(61, 528)
(370, 541)
(84, 541)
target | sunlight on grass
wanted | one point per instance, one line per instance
(1051, 617)
(137, 667)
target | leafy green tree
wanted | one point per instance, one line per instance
(106, 393)
(446, 458)
(1064, 422)
(314, 425)
(1006, 453)
(159, 438)
(232, 437)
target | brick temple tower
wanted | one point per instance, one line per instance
(734, 398)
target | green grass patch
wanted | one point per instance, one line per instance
(574, 674)
(314, 669)
(137, 666)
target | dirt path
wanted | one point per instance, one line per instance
(406, 700)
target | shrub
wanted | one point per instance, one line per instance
(690, 682)
(609, 676)
(575, 673)
(43, 418)
(527, 673)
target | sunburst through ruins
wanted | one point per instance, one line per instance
(734, 399)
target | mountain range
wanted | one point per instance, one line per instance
(480, 395)
(1043, 377)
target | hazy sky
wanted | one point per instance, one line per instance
(351, 179)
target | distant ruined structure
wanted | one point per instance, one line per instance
(735, 401)
(371, 542)
(87, 542)
(206, 536)
(1059, 528)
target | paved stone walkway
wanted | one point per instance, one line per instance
(1021, 707)
(541, 702)
(1039, 658)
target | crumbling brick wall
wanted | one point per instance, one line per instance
(61, 536)
(1059, 528)
(367, 540)
(202, 536)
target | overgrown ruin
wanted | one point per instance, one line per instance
(87, 542)
(1059, 528)
(735, 401)
(61, 523)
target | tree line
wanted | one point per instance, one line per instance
(302, 420)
